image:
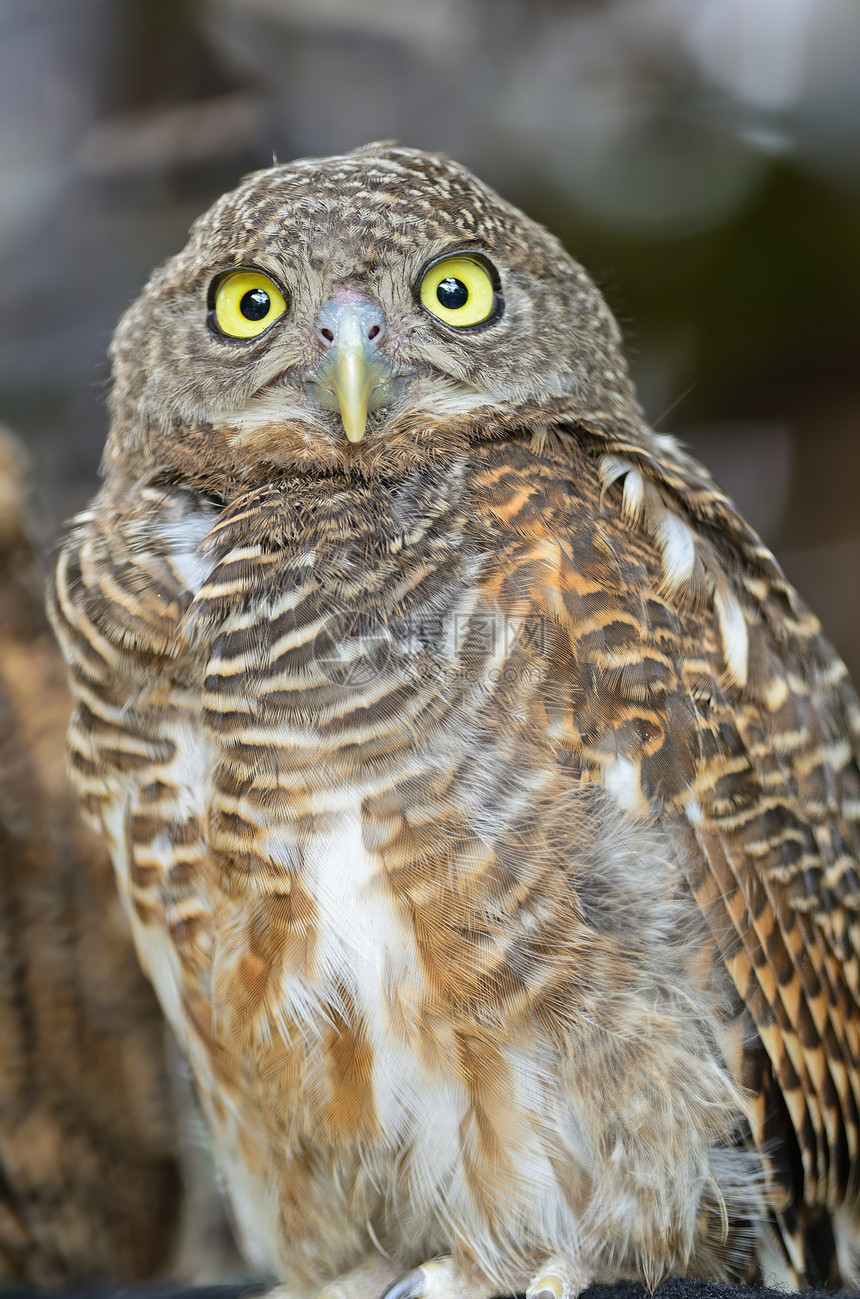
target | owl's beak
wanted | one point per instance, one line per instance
(353, 377)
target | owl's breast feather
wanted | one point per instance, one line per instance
(389, 924)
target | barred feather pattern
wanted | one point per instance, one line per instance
(489, 904)
(89, 1182)
(486, 807)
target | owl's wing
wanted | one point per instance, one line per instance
(695, 686)
(90, 1183)
(135, 751)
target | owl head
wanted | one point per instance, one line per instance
(362, 313)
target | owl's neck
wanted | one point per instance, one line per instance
(337, 512)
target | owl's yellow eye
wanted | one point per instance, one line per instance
(247, 303)
(459, 290)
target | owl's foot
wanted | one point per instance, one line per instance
(365, 1281)
(442, 1278)
(558, 1278)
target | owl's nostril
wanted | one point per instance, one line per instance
(353, 376)
(350, 314)
(327, 335)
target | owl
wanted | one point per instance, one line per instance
(484, 801)
(89, 1183)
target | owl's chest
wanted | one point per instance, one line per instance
(343, 678)
(330, 761)
(337, 750)
(310, 970)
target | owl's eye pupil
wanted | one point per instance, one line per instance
(255, 304)
(452, 293)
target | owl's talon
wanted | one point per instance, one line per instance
(409, 1286)
(559, 1278)
(442, 1278)
(547, 1287)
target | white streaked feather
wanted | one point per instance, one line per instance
(678, 548)
(184, 537)
(633, 495)
(622, 780)
(693, 811)
(734, 634)
(610, 468)
(666, 443)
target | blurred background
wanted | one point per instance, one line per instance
(700, 157)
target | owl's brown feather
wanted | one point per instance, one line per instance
(485, 800)
(89, 1184)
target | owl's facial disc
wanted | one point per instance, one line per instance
(353, 377)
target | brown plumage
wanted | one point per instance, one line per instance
(89, 1184)
(485, 800)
